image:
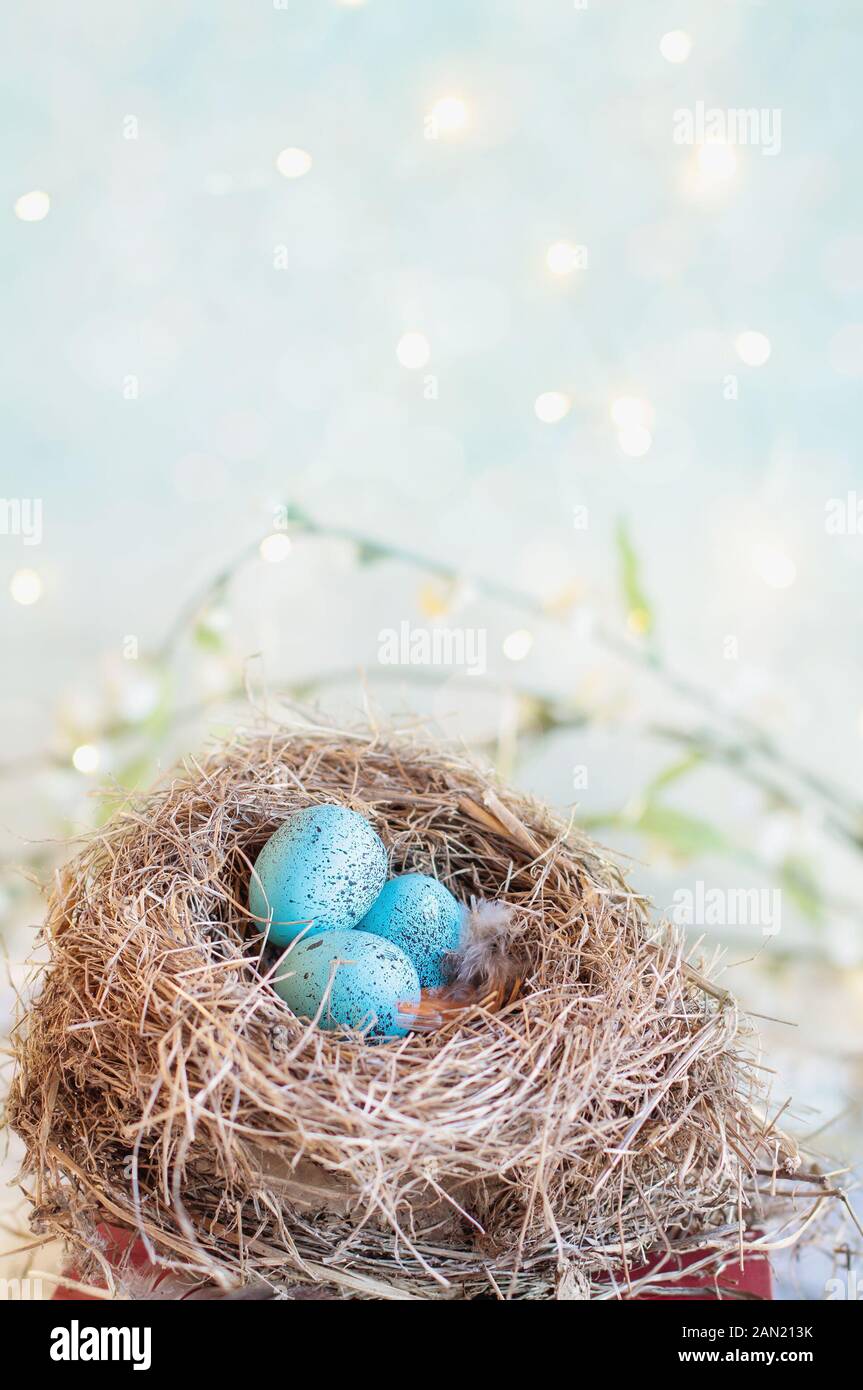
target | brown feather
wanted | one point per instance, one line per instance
(487, 958)
(484, 971)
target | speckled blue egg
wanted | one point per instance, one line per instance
(421, 916)
(325, 865)
(370, 977)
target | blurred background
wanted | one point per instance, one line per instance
(495, 364)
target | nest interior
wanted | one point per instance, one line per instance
(606, 1109)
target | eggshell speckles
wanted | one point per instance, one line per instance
(421, 916)
(325, 865)
(369, 978)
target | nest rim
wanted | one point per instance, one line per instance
(608, 1110)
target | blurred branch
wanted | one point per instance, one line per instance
(746, 749)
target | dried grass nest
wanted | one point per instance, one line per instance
(537, 1145)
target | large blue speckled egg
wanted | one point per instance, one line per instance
(325, 865)
(421, 916)
(368, 978)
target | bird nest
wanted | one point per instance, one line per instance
(544, 1140)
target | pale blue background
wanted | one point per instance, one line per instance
(141, 268)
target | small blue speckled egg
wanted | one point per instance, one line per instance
(421, 916)
(325, 865)
(370, 977)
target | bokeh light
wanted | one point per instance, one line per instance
(752, 348)
(517, 645)
(86, 758)
(25, 586)
(716, 165)
(33, 206)
(562, 258)
(675, 46)
(275, 548)
(449, 116)
(293, 163)
(413, 350)
(552, 406)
